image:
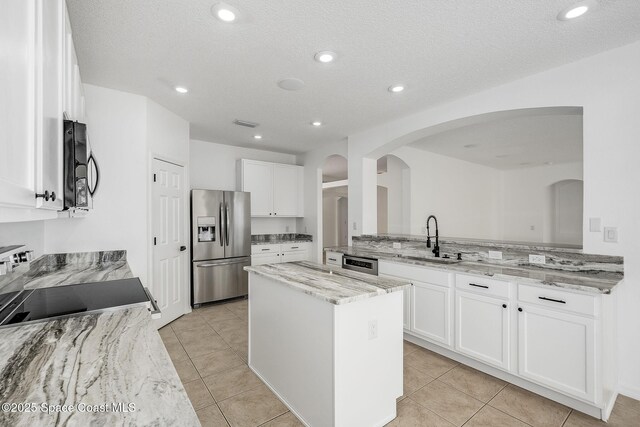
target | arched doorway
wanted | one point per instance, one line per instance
(335, 196)
(394, 195)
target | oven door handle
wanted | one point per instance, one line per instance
(155, 310)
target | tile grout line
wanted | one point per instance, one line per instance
(567, 419)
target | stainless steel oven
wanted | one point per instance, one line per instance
(363, 265)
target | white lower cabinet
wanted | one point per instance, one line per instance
(430, 312)
(278, 253)
(558, 350)
(483, 328)
(558, 340)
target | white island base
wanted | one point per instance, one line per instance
(331, 364)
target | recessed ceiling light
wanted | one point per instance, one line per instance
(257, 136)
(396, 88)
(224, 12)
(181, 89)
(470, 145)
(325, 56)
(575, 10)
(316, 123)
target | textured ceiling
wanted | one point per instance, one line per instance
(507, 142)
(441, 49)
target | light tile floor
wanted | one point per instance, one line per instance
(209, 350)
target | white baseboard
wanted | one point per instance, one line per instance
(629, 391)
(608, 407)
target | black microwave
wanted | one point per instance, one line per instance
(80, 175)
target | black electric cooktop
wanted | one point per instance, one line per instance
(47, 303)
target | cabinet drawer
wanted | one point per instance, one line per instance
(484, 286)
(333, 258)
(411, 272)
(558, 299)
(264, 249)
(290, 247)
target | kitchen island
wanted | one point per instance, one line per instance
(328, 343)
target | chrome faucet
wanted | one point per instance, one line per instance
(436, 248)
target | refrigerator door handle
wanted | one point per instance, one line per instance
(220, 226)
(227, 222)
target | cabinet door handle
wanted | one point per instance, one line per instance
(553, 300)
(519, 308)
(504, 305)
(479, 286)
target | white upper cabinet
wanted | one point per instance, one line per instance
(276, 189)
(40, 81)
(49, 141)
(18, 62)
(286, 183)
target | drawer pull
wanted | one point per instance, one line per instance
(479, 286)
(333, 259)
(294, 247)
(266, 249)
(553, 300)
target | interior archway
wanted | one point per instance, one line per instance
(335, 195)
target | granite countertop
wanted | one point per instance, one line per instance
(326, 283)
(581, 281)
(114, 357)
(69, 269)
(275, 239)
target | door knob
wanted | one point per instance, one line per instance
(183, 248)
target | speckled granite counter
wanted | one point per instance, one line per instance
(577, 280)
(333, 285)
(115, 357)
(274, 239)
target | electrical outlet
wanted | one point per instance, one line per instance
(537, 259)
(495, 255)
(611, 234)
(397, 245)
(373, 329)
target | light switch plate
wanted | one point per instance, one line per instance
(537, 259)
(397, 245)
(611, 234)
(495, 255)
(594, 225)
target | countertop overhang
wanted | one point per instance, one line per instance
(336, 286)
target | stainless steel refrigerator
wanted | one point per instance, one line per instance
(220, 244)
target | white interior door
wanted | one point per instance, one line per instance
(169, 284)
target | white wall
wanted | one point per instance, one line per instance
(29, 233)
(463, 196)
(524, 201)
(117, 125)
(606, 86)
(126, 131)
(213, 167)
